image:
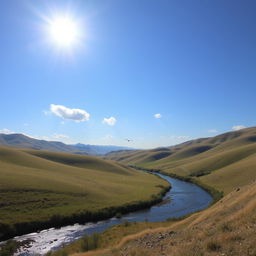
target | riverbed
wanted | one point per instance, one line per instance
(183, 198)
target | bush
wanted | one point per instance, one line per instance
(127, 223)
(119, 215)
(9, 248)
(226, 227)
(213, 246)
(90, 242)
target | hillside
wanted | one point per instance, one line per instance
(223, 161)
(226, 228)
(36, 186)
(226, 162)
(22, 141)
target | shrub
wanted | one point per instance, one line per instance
(226, 227)
(9, 248)
(213, 246)
(119, 215)
(127, 223)
(90, 242)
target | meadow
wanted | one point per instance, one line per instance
(224, 162)
(41, 189)
(224, 165)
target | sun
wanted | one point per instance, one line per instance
(64, 31)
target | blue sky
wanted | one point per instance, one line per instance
(192, 62)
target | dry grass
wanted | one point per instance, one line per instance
(36, 185)
(226, 228)
(224, 162)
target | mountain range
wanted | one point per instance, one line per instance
(23, 141)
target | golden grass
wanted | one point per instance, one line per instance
(225, 161)
(35, 185)
(226, 228)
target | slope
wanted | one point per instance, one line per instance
(35, 186)
(216, 161)
(22, 141)
(226, 228)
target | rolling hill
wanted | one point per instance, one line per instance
(226, 228)
(38, 188)
(22, 141)
(223, 161)
(226, 162)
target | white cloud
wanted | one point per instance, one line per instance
(157, 115)
(174, 137)
(109, 121)
(60, 136)
(75, 114)
(6, 131)
(238, 127)
(212, 131)
(182, 137)
(108, 137)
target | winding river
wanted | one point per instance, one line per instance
(183, 198)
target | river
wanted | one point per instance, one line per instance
(183, 198)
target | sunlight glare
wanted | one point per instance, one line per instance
(64, 31)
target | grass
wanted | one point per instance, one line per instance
(223, 163)
(226, 228)
(9, 248)
(216, 162)
(110, 237)
(39, 189)
(114, 235)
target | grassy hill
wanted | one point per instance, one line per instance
(22, 141)
(224, 161)
(226, 228)
(38, 188)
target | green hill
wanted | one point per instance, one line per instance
(23, 141)
(224, 161)
(37, 186)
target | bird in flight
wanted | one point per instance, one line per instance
(128, 140)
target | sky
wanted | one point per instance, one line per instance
(156, 72)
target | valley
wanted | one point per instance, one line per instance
(41, 189)
(52, 189)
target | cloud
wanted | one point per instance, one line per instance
(75, 114)
(60, 136)
(108, 137)
(212, 131)
(157, 115)
(109, 121)
(182, 137)
(6, 131)
(238, 127)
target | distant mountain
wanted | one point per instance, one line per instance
(22, 141)
(99, 149)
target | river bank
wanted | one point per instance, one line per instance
(185, 198)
